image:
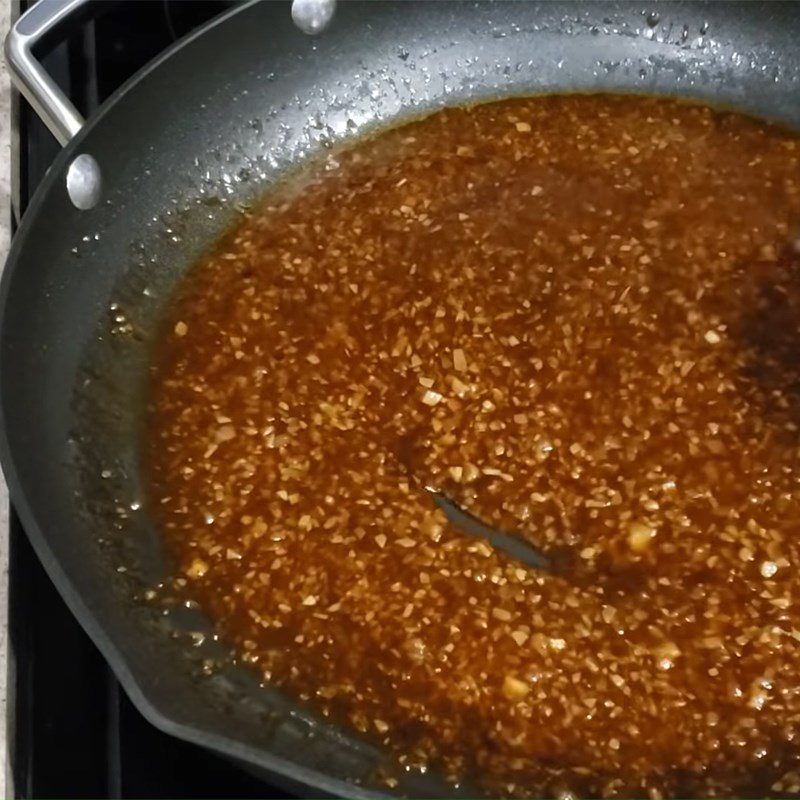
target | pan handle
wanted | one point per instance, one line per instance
(47, 17)
(43, 21)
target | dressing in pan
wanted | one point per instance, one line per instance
(575, 317)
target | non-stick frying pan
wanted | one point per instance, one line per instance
(205, 128)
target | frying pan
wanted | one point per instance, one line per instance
(172, 156)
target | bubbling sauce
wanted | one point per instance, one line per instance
(578, 317)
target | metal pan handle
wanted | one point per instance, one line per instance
(43, 21)
(47, 17)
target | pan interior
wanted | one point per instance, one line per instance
(183, 148)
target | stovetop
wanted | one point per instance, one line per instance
(73, 732)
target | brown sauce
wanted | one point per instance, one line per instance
(578, 316)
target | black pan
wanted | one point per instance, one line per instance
(206, 127)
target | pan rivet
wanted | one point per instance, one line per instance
(312, 16)
(84, 182)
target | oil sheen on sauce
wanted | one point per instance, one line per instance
(577, 316)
